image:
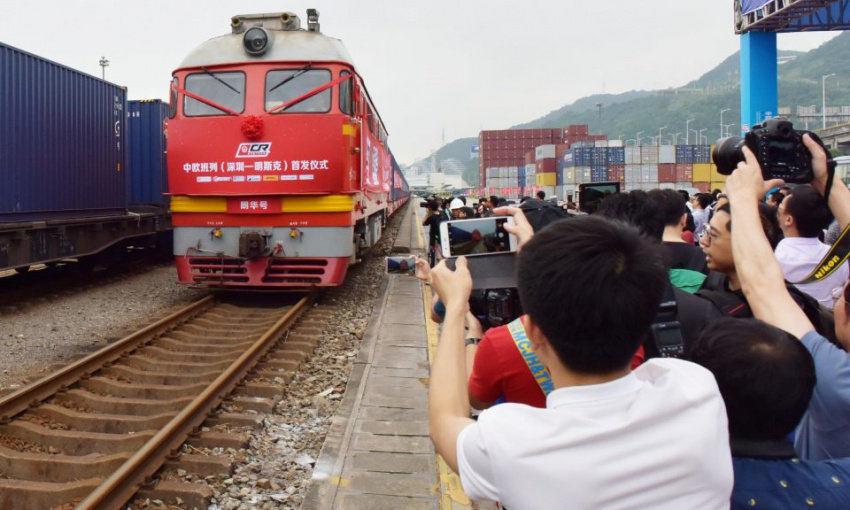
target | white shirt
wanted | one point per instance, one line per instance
(798, 256)
(656, 438)
(700, 222)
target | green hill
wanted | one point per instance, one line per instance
(624, 115)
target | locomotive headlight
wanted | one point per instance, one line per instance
(256, 40)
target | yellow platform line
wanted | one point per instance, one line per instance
(452, 496)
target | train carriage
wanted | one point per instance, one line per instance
(278, 162)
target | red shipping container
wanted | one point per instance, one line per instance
(561, 148)
(667, 172)
(684, 172)
(577, 129)
(617, 173)
(546, 166)
(703, 187)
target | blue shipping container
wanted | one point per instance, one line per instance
(616, 156)
(62, 141)
(146, 166)
(598, 174)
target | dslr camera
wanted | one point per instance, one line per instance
(778, 147)
(495, 307)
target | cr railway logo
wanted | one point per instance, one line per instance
(254, 150)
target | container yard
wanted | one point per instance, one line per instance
(565, 158)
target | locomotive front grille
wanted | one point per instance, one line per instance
(221, 270)
(295, 270)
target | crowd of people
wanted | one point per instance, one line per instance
(650, 370)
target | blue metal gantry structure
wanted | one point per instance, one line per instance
(758, 28)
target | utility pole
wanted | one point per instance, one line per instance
(823, 111)
(599, 110)
(688, 131)
(721, 120)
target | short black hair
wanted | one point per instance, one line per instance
(593, 286)
(807, 207)
(704, 199)
(493, 199)
(635, 208)
(765, 375)
(769, 222)
(670, 204)
(462, 199)
(541, 194)
(684, 193)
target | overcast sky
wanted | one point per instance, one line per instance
(431, 66)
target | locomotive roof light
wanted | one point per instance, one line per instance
(256, 40)
(312, 20)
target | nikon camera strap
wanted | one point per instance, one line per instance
(833, 259)
(538, 370)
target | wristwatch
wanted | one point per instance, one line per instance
(471, 341)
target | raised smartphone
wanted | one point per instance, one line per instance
(401, 265)
(477, 236)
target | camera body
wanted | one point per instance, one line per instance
(495, 307)
(778, 147)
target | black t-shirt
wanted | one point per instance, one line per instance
(433, 223)
(694, 315)
(685, 256)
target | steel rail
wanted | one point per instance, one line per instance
(116, 490)
(32, 394)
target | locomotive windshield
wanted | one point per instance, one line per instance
(284, 85)
(226, 89)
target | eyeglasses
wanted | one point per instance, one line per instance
(838, 293)
(708, 236)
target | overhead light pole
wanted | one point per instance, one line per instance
(726, 128)
(699, 137)
(638, 137)
(676, 137)
(823, 85)
(659, 133)
(721, 120)
(104, 64)
(688, 131)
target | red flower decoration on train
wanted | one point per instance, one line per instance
(252, 127)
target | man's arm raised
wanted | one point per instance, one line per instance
(448, 401)
(757, 267)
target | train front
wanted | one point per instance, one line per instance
(263, 158)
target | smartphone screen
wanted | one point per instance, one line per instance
(591, 195)
(478, 236)
(401, 265)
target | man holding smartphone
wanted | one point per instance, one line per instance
(608, 437)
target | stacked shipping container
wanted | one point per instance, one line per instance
(572, 156)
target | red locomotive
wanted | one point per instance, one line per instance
(278, 164)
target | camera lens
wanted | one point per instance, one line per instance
(256, 41)
(727, 154)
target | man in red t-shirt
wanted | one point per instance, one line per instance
(500, 371)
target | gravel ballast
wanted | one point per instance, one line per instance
(67, 327)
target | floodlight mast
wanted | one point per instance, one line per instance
(104, 64)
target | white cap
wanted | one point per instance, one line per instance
(455, 204)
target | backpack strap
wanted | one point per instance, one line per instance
(540, 373)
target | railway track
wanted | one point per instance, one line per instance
(94, 433)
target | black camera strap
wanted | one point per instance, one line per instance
(666, 330)
(833, 259)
